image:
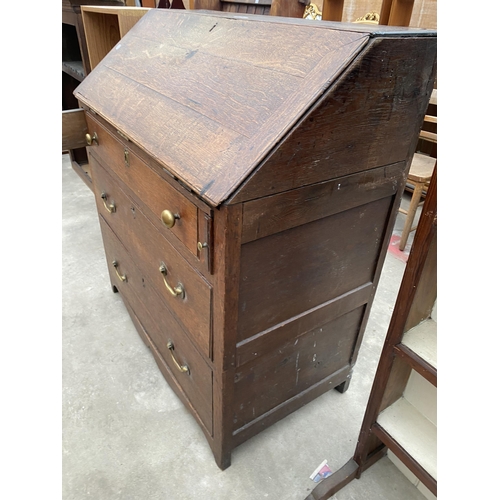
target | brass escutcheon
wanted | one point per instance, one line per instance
(126, 158)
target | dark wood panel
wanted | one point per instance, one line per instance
(293, 404)
(308, 265)
(254, 347)
(150, 250)
(282, 373)
(277, 213)
(161, 327)
(357, 120)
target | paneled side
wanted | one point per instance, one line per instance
(291, 272)
(369, 118)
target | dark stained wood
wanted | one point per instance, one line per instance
(279, 282)
(394, 369)
(273, 214)
(396, 383)
(74, 128)
(298, 363)
(426, 288)
(289, 282)
(417, 363)
(227, 241)
(316, 318)
(277, 413)
(151, 250)
(325, 141)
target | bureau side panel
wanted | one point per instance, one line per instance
(289, 273)
(304, 297)
(368, 118)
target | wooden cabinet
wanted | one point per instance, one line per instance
(246, 192)
(400, 417)
(105, 27)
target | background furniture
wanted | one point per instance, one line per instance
(285, 8)
(105, 26)
(221, 205)
(401, 411)
(420, 174)
(75, 66)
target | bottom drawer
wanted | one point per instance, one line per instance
(188, 370)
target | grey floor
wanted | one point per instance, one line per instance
(127, 436)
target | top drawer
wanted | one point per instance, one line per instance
(154, 195)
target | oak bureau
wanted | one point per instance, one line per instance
(247, 173)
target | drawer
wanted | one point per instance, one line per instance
(186, 366)
(185, 291)
(158, 199)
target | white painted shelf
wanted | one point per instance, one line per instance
(415, 433)
(422, 340)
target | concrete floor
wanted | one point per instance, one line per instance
(127, 436)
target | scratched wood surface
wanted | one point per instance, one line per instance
(209, 96)
(358, 120)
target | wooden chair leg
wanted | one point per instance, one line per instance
(410, 216)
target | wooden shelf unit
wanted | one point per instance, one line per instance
(76, 63)
(105, 27)
(398, 417)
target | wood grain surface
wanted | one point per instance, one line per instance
(223, 91)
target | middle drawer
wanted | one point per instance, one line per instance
(187, 294)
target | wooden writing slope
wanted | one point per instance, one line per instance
(247, 190)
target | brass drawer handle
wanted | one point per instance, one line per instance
(121, 277)
(168, 218)
(126, 158)
(92, 138)
(181, 368)
(111, 207)
(178, 291)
